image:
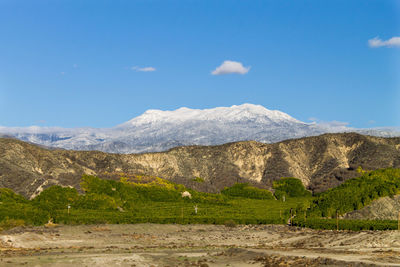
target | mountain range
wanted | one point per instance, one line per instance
(320, 162)
(157, 130)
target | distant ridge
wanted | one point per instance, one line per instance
(320, 162)
(157, 130)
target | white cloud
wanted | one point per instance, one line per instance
(144, 69)
(378, 42)
(229, 67)
(333, 126)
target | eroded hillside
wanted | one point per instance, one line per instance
(385, 208)
(320, 162)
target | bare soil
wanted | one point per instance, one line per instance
(196, 245)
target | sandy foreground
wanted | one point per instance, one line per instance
(196, 245)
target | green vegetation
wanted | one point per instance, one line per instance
(198, 180)
(354, 225)
(289, 187)
(8, 223)
(246, 191)
(15, 209)
(155, 200)
(356, 193)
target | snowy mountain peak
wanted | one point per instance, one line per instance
(235, 113)
(158, 130)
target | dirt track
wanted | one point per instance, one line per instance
(195, 245)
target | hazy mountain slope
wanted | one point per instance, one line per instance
(320, 162)
(157, 130)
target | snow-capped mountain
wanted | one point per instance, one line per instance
(157, 130)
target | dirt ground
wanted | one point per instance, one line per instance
(196, 245)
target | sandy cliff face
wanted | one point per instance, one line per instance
(320, 162)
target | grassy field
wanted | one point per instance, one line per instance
(152, 199)
(238, 210)
(157, 201)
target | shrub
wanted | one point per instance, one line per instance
(8, 196)
(353, 225)
(55, 197)
(290, 187)
(96, 202)
(198, 180)
(8, 223)
(247, 191)
(230, 223)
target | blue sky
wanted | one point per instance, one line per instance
(80, 63)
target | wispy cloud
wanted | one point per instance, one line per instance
(313, 119)
(331, 125)
(229, 67)
(144, 69)
(378, 42)
(334, 126)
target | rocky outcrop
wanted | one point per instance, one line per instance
(320, 162)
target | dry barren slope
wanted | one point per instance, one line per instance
(384, 208)
(320, 162)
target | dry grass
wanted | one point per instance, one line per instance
(50, 224)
